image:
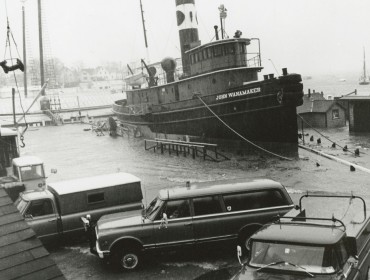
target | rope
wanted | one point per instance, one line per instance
(245, 139)
(327, 138)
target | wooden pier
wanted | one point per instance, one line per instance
(178, 147)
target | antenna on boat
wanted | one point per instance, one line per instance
(277, 72)
(223, 15)
(145, 39)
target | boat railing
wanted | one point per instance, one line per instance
(254, 61)
(135, 110)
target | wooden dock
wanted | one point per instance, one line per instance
(195, 149)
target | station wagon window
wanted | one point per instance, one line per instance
(177, 209)
(341, 252)
(40, 207)
(207, 205)
(253, 200)
(95, 198)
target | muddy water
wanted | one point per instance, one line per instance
(76, 152)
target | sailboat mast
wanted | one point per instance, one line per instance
(41, 48)
(24, 49)
(145, 39)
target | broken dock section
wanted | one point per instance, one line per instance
(195, 149)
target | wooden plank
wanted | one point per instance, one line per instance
(181, 141)
(13, 227)
(16, 248)
(26, 269)
(51, 272)
(16, 237)
(10, 218)
(8, 209)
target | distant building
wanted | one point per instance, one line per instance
(358, 112)
(318, 112)
(87, 75)
(68, 77)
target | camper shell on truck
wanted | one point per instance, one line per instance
(296, 246)
(56, 212)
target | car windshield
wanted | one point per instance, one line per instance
(151, 211)
(311, 259)
(32, 172)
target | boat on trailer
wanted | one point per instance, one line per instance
(216, 93)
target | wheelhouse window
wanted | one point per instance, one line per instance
(335, 114)
(217, 51)
(205, 54)
(281, 256)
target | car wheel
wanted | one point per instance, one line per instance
(128, 259)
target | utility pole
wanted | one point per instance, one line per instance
(41, 48)
(24, 49)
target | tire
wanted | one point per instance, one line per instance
(127, 259)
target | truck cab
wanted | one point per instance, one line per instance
(27, 173)
(30, 171)
(295, 246)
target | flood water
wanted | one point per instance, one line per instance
(75, 151)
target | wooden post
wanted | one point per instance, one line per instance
(161, 148)
(204, 153)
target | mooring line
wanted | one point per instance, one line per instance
(241, 136)
(335, 158)
(327, 138)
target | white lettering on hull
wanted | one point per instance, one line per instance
(237, 93)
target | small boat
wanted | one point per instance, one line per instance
(364, 80)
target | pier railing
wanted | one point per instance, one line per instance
(194, 149)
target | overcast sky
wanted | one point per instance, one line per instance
(307, 36)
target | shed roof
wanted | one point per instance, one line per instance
(316, 106)
(91, 183)
(22, 256)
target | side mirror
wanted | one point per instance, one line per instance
(28, 216)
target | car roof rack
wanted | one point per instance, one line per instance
(299, 219)
(333, 196)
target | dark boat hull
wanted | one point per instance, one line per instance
(261, 111)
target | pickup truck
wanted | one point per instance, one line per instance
(54, 214)
(296, 246)
(26, 173)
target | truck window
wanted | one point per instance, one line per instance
(31, 172)
(95, 198)
(177, 209)
(207, 205)
(253, 200)
(40, 208)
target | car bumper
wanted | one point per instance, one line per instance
(100, 253)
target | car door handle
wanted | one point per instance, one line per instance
(187, 224)
(52, 220)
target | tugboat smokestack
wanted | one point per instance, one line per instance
(216, 32)
(271, 76)
(265, 77)
(187, 24)
(285, 71)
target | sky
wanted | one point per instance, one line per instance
(309, 37)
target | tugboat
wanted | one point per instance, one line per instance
(216, 93)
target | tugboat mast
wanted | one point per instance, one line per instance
(145, 39)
